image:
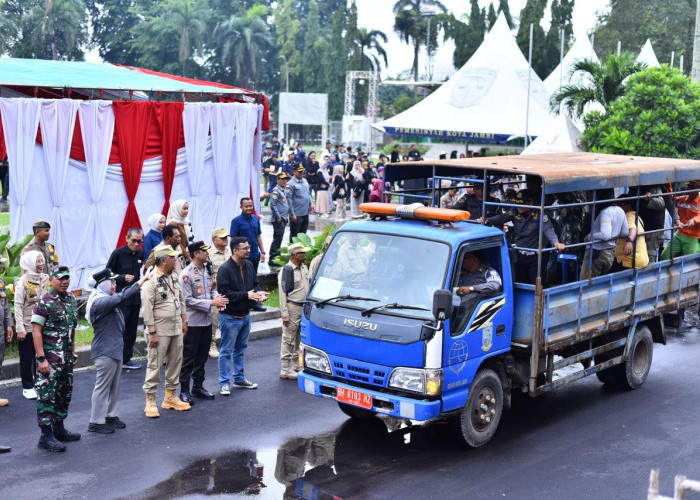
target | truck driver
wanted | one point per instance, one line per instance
(477, 277)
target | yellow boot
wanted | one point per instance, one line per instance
(172, 402)
(151, 409)
(213, 351)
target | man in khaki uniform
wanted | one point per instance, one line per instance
(291, 313)
(40, 243)
(219, 253)
(171, 240)
(164, 314)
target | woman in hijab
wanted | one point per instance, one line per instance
(358, 188)
(153, 237)
(177, 216)
(339, 188)
(324, 183)
(28, 290)
(378, 192)
(107, 347)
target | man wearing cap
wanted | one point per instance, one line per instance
(165, 317)
(289, 164)
(53, 322)
(219, 253)
(104, 312)
(291, 311)
(40, 243)
(126, 263)
(279, 204)
(449, 199)
(7, 322)
(197, 283)
(300, 203)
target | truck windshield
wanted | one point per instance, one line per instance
(383, 267)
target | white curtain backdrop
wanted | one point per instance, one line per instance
(243, 149)
(224, 121)
(94, 202)
(20, 121)
(257, 153)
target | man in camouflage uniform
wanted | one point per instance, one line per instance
(40, 243)
(54, 320)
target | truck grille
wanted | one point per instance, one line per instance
(363, 373)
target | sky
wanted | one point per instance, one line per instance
(378, 14)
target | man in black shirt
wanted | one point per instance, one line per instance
(238, 282)
(126, 262)
(414, 154)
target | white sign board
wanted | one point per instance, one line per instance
(303, 109)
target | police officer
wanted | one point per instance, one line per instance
(219, 253)
(289, 164)
(165, 317)
(197, 283)
(42, 232)
(53, 322)
(279, 204)
(291, 313)
(477, 277)
(474, 203)
(526, 227)
(7, 322)
(300, 203)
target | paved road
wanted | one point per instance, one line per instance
(580, 442)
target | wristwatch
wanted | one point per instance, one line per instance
(630, 240)
(471, 288)
(41, 359)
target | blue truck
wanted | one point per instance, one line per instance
(383, 332)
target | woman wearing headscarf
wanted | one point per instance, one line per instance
(324, 182)
(339, 188)
(107, 347)
(358, 188)
(156, 222)
(28, 290)
(177, 216)
(377, 193)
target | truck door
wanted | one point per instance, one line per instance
(481, 323)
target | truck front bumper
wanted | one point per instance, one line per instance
(382, 403)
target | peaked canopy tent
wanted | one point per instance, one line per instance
(564, 137)
(648, 56)
(562, 74)
(485, 101)
(94, 168)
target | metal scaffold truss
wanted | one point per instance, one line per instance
(351, 78)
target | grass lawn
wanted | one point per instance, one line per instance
(4, 218)
(273, 300)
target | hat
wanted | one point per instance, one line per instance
(164, 251)
(296, 248)
(41, 224)
(299, 168)
(282, 176)
(105, 274)
(61, 272)
(274, 153)
(197, 245)
(291, 152)
(219, 233)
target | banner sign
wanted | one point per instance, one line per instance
(448, 134)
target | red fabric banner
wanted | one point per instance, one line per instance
(169, 116)
(132, 126)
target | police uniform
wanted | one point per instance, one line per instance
(291, 330)
(279, 205)
(483, 279)
(28, 291)
(163, 306)
(46, 248)
(57, 314)
(217, 258)
(299, 204)
(6, 319)
(198, 290)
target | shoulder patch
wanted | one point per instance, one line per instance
(185, 278)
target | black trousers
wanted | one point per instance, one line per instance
(300, 226)
(131, 323)
(27, 361)
(526, 268)
(195, 351)
(277, 235)
(256, 263)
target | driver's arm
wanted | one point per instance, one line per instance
(493, 283)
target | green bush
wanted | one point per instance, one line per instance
(315, 244)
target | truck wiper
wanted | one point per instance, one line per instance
(321, 303)
(393, 305)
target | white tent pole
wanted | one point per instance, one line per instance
(673, 56)
(619, 47)
(529, 77)
(593, 41)
(561, 57)
(680, 66)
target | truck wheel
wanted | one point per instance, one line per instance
(356, 413)
(633, 372)
(480, 416)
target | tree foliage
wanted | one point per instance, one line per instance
(659, 115)
(532, 14)
(412, 27)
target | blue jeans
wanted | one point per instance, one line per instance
(234, 340)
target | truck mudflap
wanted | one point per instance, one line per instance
(381, 403)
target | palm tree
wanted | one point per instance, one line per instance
(242, 39)
(601, 83)
(411, 26)
(370, 44)
(58, 25)
(187, 16)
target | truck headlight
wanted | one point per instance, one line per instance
(417, 380)
(316, 360)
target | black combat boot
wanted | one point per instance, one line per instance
(62, 434)
(47, 440)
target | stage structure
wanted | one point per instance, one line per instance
(357, 128)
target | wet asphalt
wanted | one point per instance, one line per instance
(583, 441)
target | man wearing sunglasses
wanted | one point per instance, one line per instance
(126, 262)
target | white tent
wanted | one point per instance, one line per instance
(485, 101)
(564, 137)
(647, 55)
(581, 49)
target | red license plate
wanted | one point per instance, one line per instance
(355, 398)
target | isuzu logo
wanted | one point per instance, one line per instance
(359, 324)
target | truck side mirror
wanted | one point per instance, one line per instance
(287, 279)
(442, 304)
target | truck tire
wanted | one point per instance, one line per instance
(633, 372)
(356, 413)
(481, 414)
